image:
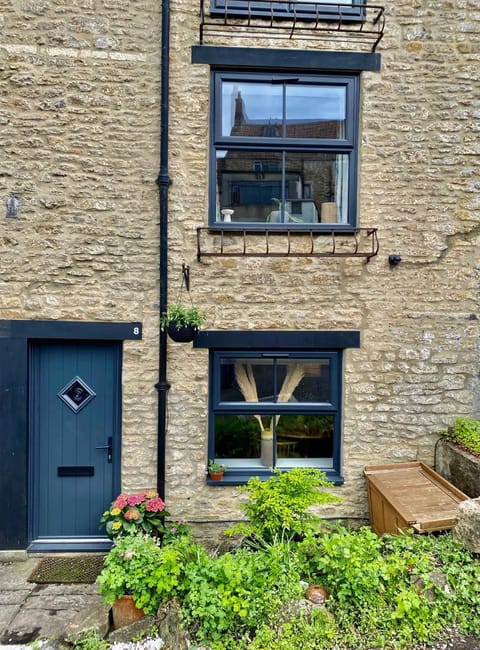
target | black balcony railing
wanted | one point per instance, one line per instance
(359, 23)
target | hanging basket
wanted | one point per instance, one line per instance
(182, 334)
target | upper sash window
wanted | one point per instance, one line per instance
(284, 150)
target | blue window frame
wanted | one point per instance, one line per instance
(284, 150)
(275, 408)
(306, 9)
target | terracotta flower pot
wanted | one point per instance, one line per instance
(124, 612)
(216, 476)
(317, 594)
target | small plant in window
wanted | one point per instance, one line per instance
(215, 470)
(275, 215)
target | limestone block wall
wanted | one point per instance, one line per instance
(79, 119)
(417, 366)
(80, 122)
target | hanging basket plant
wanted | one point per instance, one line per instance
(181, 322)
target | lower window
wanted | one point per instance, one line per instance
(275, 409)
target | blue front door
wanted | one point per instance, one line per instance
(75, 398)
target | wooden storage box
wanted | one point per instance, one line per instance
(410, 495)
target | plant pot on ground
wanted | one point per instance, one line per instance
(215, 470)
(125, 612)
(128, 571)
(181, 322)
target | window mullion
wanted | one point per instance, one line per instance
(275, 380)
(284, 136)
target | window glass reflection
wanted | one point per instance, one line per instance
(275, 381)
(251, 109)
(282, 187)
(315, 111)
(290, 436)
(247, 380)
(237, 436)
(305, 436)
(304, 381)
(317, 190)
(254, 110)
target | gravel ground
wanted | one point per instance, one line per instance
(454, 641)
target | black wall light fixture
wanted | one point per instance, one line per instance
(394, 259)
(12, 204)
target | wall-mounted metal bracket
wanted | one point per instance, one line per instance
(230, 242)
(186, 276)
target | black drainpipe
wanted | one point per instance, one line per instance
(163, 182)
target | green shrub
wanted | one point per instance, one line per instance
(317, 631)
(138, 566)
(88, 641)
(466, 433)
(458, 603)
(385, 592)
(351, 563)
(278, 507)
(226, 598)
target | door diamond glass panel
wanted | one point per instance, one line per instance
(76, 394)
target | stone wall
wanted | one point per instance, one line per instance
(79, 113)
(458, 466)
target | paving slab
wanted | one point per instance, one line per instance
(56, 602)
(33, 624)
(16, 597)
(7, 614)
(15, 575)
(30, 611)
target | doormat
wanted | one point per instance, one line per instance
(68, 570)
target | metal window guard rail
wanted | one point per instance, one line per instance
(263, 18)
(228, 242)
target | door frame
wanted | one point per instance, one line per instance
(78, 543)
(15, 336)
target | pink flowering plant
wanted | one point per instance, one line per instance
(142, 512)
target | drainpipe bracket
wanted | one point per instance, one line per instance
(162, 386)
(164, 180)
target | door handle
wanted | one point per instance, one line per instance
(108, 448)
